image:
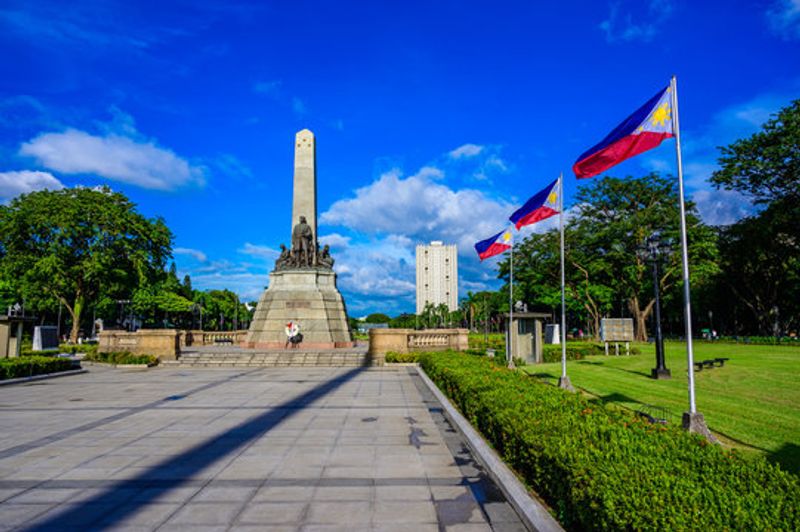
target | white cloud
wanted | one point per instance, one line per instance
(263, 252)
(421, 209)
(429, 172)
(721, 207)
(466, 151)
(12, 184)
(625, 20)
(784, 19)
(335, 241)
(117, 156)
(196, 253)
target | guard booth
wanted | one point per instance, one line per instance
(526, 335)
(11, 333)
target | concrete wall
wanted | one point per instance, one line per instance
(382, 341)
(163, 343)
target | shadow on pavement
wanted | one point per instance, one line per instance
(127, 496)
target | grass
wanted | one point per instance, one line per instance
(751, 403)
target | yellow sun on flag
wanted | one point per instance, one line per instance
(507, 236)
(552, 197)
(661, 115)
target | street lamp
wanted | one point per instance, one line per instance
(651, 251)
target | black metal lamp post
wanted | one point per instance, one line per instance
(651, 251)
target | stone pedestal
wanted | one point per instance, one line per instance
(308, 297)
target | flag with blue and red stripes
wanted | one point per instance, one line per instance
(541, 206)
(494, 245)
(645, 129)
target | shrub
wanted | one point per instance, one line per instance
(496, 341)
(392, 357)
(601, 469)
(12, 368)
(78, 348)
(121, 357)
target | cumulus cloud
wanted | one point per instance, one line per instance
(466, 151)
(721, 207)
(783, 19)
(195, 253)
(118, 155)
(12, 184)
(635, 21)
(263, 252)
(420, 208)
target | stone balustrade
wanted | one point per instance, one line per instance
(194, 338)
(163, 343)
(382, 341)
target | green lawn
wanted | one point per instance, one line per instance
(753, 402)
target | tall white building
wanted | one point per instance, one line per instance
(437, 275)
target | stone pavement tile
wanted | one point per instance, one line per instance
(350, 513)
(348, 472)
(50, 495)
(261, 528)
(457, 511)
(224, 494)
(206, 513)
(335, 528)
(344, 493)
(291, 471)
(283, 493)
(451, 492)
(403, 493)
(180, 494)
(399, 470)
(272, 513)
(168, 527)
(144, 515)
(404, 512)
(405, 527)
(75, 516)
(13, 515)
(7, 493)
(469, 527)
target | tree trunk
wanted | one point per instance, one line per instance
(76, 312)
(640, 316)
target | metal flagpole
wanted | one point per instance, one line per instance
(563, 382)
(692, 420)
(511, 309)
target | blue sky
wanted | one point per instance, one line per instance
(434, 120)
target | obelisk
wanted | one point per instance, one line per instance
(302, 292)
(304, 201)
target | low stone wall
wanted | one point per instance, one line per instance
(194, 338)
(163, 343)
(382, 341)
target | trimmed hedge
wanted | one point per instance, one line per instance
(27, 366)
(602, 469)
(392, 357)
(121, 357)
(578, 351)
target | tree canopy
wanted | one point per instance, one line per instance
(76, 244)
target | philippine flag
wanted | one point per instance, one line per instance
(540, 207)
(643, 130)
(494, 245)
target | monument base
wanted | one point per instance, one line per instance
(307, 297)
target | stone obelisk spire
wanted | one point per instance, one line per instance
(305, 181)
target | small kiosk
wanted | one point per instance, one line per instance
(526, 335)
(11, 331)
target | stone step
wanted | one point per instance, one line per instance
(305, 359)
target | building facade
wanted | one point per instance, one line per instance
(437, 275)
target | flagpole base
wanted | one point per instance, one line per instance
(565, 384)
(659, 374)
(695, 422)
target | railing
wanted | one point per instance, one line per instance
(382, 341)
(197, 338)
(428, 340)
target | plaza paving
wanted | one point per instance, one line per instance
(229, 449)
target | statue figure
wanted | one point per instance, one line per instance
(302, 239)
(284, 260)
(325, 259)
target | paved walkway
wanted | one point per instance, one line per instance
(262, 449)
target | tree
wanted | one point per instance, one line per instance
(614, 218)
(75, 245)
(377, 317)
(765, 166)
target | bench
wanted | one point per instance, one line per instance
(710, 363)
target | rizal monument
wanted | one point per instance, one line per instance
(302, 296)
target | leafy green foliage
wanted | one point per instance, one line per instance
(377, 317)
(403, 358)
(27, 366)
(122, 357)
(75, 245)
(602, 469)
(765, 166)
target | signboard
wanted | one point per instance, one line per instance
(45, 337)
(616, 329)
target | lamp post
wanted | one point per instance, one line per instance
(651, 251)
